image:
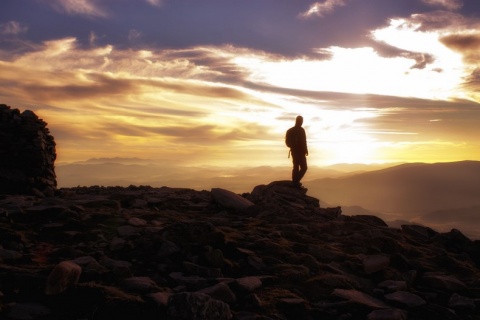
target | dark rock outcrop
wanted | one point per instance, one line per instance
(27, 154)
(169, 253)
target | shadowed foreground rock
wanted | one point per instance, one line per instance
(166, 253)
(27, 154)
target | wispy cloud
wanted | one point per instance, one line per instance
(447, 4)
(88, 8)
(321, 9)
(12, 28)
(156, 3)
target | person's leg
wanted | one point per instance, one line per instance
(295, 170)
(302, 163)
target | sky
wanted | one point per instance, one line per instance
(218, 82)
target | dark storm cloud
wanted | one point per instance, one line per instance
(463, 42)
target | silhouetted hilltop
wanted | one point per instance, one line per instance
(273, 253)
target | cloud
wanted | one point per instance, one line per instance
(447, 4)
(12, 28)
(422, 60)
(321, 9)
(134, 34)
(442, 21)
(467, 44)
(87, 8)
(156, 3)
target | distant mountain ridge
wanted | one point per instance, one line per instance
(410, 189)
(415, 191)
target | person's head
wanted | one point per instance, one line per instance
(299, 121)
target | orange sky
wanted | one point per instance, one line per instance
(227, 104)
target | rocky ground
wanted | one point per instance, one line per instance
(165, 253)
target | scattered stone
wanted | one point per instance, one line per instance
(418, 232)
(137, 222)
(27, 311)
(249, 284)
(387, 314)
(221, 291)
(393, 285)
(442, 281)
(460, 303)
(230, 200)
(140, 285)
(374, 263)
(65, 274)
(405, 299)
(359, 297)
(160, 298)
(187, 306)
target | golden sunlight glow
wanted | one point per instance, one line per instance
(103, 102)
(360, 70)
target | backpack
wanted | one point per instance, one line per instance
(291, 138)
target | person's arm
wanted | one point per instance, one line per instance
(305, 140)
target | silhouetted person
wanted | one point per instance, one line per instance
(296, 140)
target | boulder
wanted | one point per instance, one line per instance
(188, 305)
(64, 275)
(230, 200)
(360, 297)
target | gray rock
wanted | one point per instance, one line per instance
(125, 231)
(418, 232)
(405, 299)
(139, 285)
(443, 281)
(392, 285)
(64, 275)
(249, 284)
(221, 291)
(137, 222)
(160, 298)
(374, 263)
(387, 314)
(230, 200)
(361, 298)
(189, 306)
(9, 255)
(194, 281)
(119, 268)
(28, 311)
(461, 303)
(193, 268)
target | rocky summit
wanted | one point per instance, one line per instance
(167, 253)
